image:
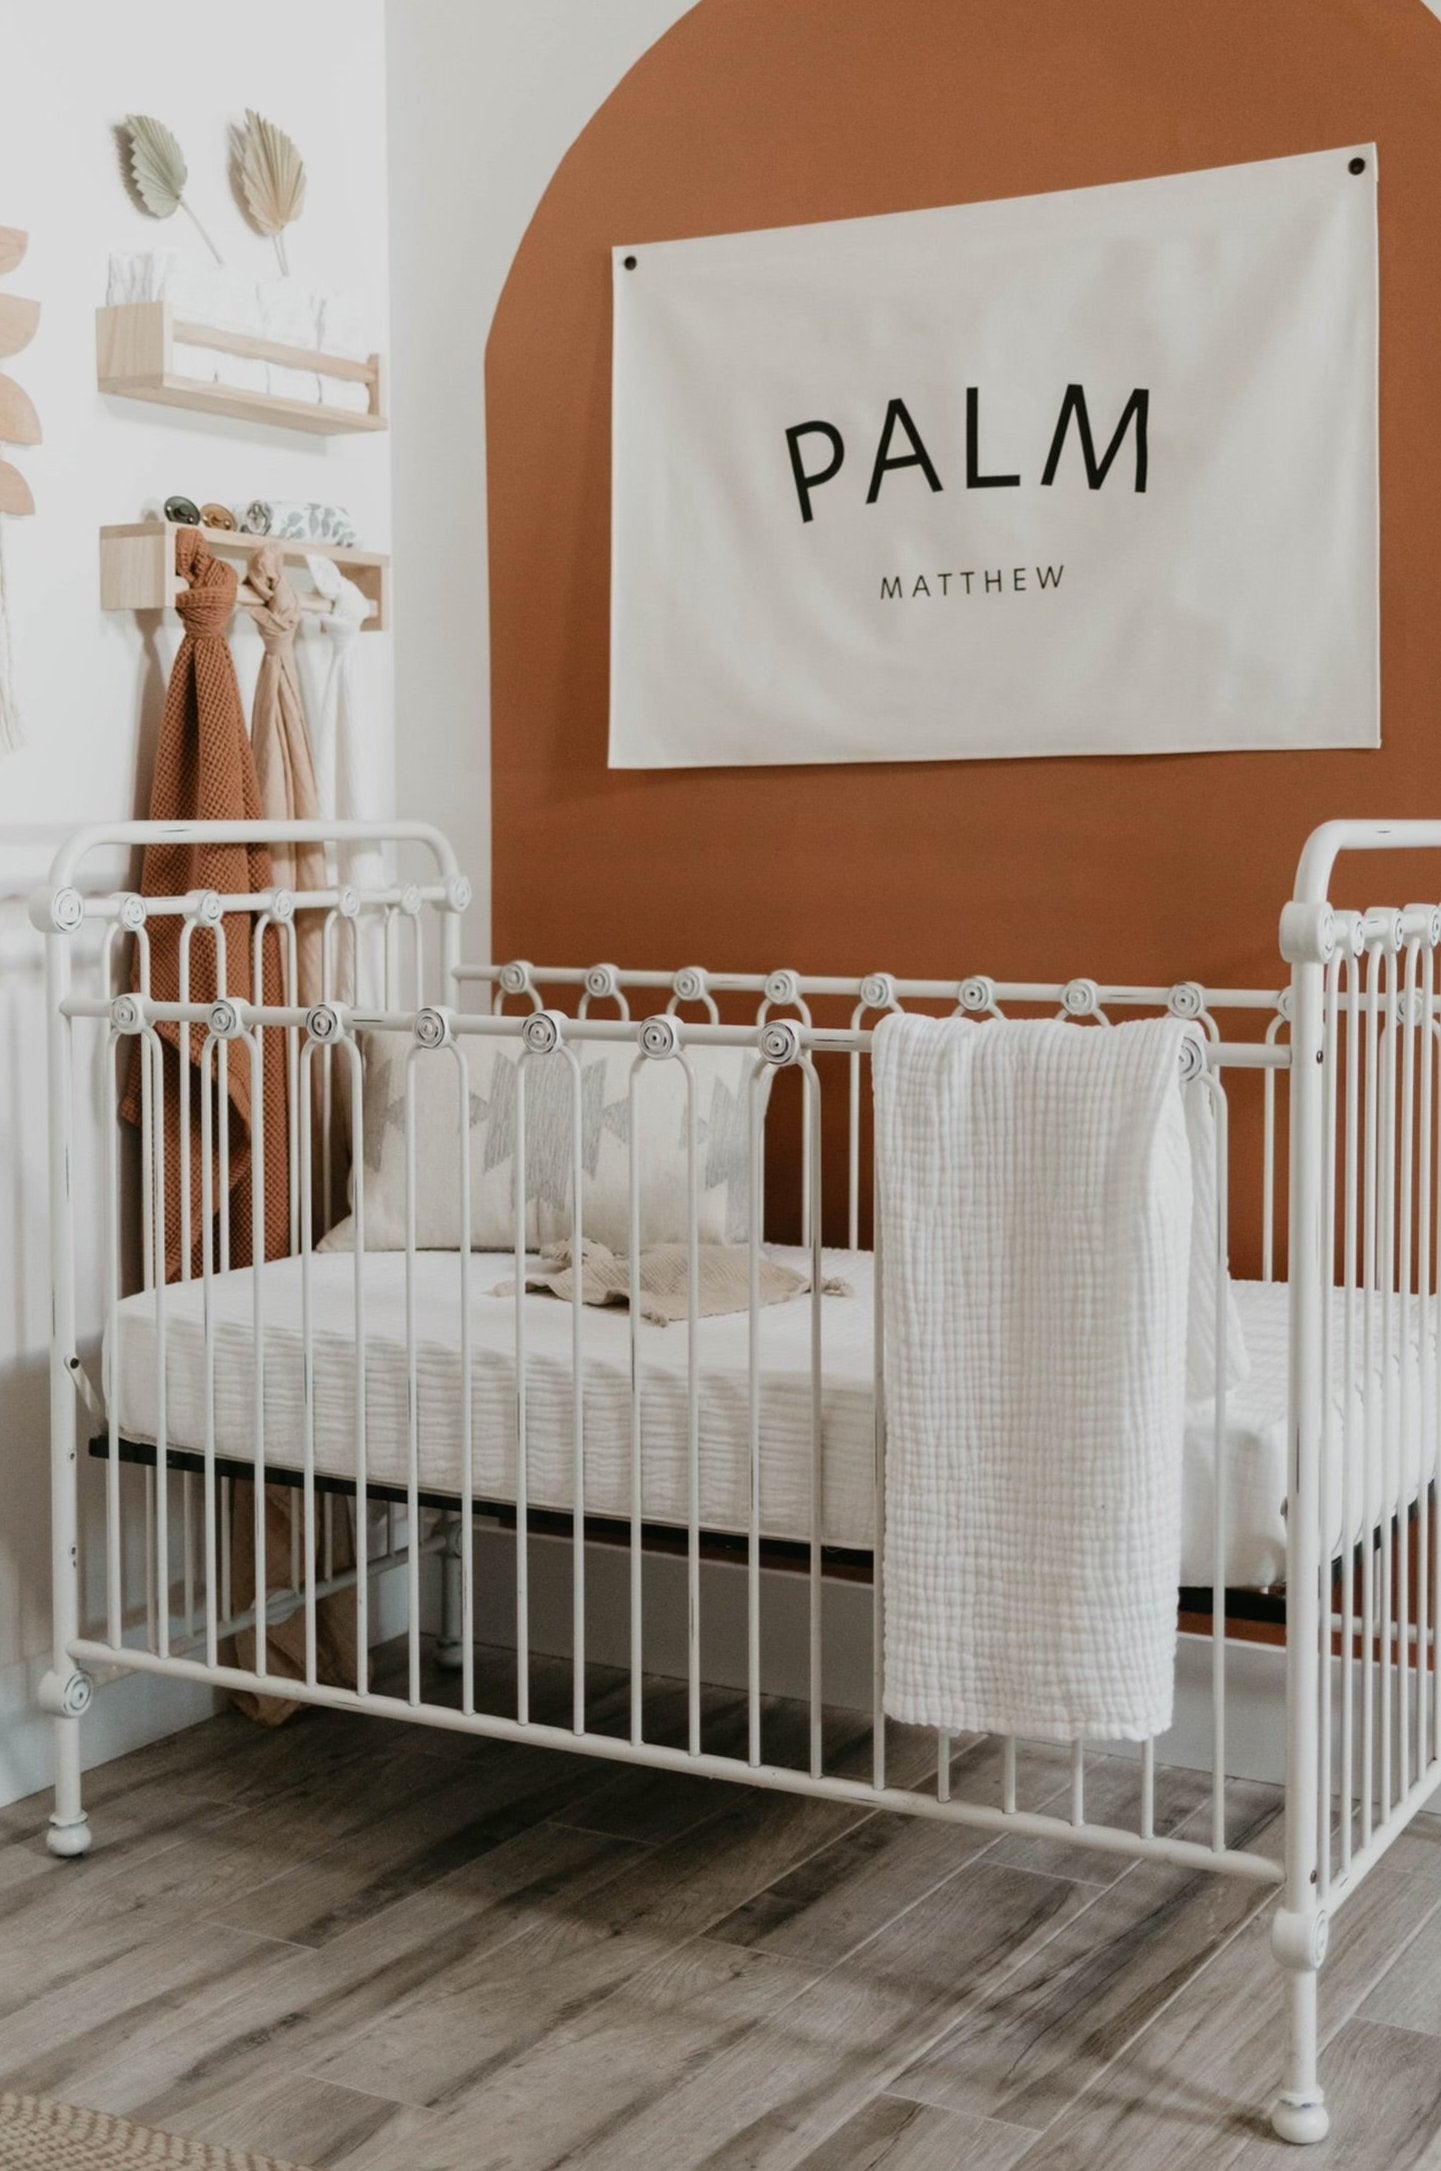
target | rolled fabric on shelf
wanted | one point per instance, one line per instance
(288, 316)
(237, 309)
(298, 520)
(341, 326)
(342, 331)
(183, 287)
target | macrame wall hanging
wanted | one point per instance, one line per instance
(19, 425)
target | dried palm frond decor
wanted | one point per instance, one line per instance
(272, 180)
(159, 173)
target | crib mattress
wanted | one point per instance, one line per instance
(1255, 1432)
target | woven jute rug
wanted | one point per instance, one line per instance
(39, 2136)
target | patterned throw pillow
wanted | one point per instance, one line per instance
(722, 1143)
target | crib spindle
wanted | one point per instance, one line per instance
(692, 1411)
(755, 1109)
(811, 1101)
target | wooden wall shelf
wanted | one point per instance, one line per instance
(137, 568)
(134, 355)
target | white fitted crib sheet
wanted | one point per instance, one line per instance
(1255, 1437)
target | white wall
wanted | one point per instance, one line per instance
(484, 100)
(486, 97)
(91, 685)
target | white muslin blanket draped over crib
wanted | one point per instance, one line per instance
(1037, 1207)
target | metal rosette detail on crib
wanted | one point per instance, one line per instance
(433, 1027)
(1187, 999)
(542, 1032)
(660, 1037)
(57, 911)
(780, 1042)
(1081, 999)
(127, 1015)
(325, 1023)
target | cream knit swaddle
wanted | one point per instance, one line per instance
(1036, 1215)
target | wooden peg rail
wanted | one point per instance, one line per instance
(19, 423)
(137, 568)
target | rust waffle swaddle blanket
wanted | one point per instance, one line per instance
(204, 772)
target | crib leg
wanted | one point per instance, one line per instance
(1299, 2113)
(449, 1649)
(69, 1830)
(65, 1690)
(1299, 1928)
(65, 1695)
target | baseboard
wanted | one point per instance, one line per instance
(124, 1715)
(131, 1710)
(1256, 1673)
(140, 1708)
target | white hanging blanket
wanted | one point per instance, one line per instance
(1036, 1201)
(338, 734)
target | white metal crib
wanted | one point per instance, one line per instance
(141, 1555)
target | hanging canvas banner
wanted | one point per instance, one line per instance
(1087, 473)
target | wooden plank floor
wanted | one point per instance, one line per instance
(390, 1949)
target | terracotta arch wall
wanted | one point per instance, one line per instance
(755, 113)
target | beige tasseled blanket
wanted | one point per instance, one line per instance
(724, 1281)
(284, 763)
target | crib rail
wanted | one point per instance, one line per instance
(383, 946)
(871, 994)
(168, 1584)
(1363, 1719)
(1367, 1219)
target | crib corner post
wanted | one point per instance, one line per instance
(1300, 1929)
(66, 1696)
(64, 1691)
(1298, 1940)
